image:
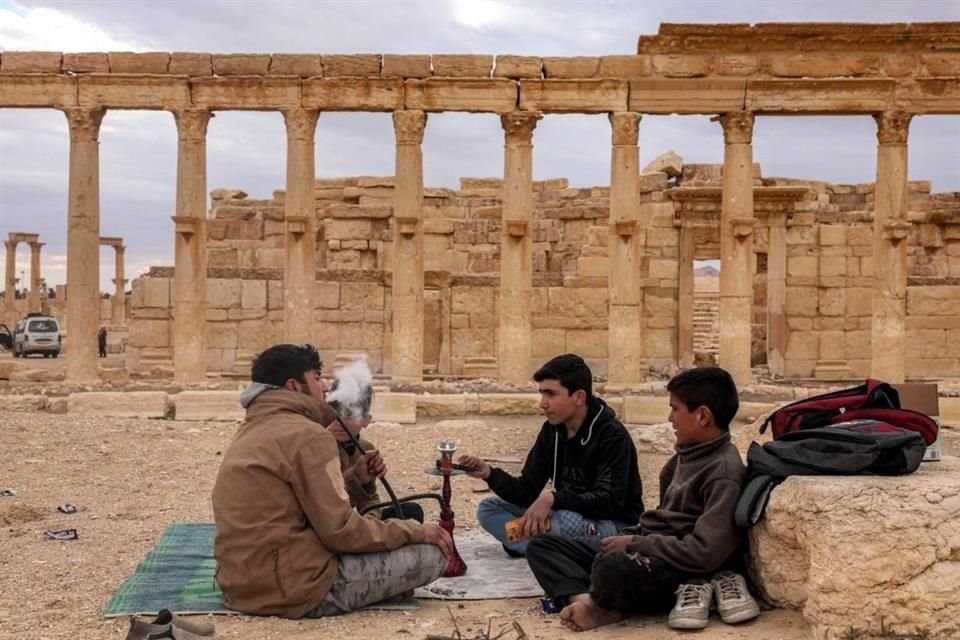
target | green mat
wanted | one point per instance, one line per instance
(178, 575)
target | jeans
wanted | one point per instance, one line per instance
(493, 513)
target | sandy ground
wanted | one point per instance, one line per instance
(131, 477)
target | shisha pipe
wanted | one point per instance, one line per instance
(386, 485)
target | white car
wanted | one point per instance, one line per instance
(37, 333)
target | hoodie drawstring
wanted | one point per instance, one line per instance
(584, 441)
(590, 431)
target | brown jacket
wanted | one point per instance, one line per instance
(282, 511)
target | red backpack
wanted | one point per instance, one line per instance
(873, 400)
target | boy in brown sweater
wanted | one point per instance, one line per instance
(678, 546)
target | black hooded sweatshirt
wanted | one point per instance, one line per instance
(595, 473)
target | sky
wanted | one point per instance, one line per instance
(247, 150)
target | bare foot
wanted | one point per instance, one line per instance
(582, 615)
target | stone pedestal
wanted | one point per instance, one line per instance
(776, 292)
(736, 246)
(890, 232)
(190, 257)
(407, 344)
(625, 339)
(516, 261)
(83, 244)
(300, 236)
(685, 286)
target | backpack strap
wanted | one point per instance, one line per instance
(753, 500)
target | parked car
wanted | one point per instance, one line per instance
(37, 333)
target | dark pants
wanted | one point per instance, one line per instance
(626, 582)
(103, 349)
(411, 511)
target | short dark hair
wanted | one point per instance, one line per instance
(710, 387)
(282, 362)
(572, 372)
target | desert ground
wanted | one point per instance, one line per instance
(129, 478)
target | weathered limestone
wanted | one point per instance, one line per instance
(10, 278)
(299, 238)
(120, 404)
(890, 230)
(736, 240)
(190, 252)
(83, 246)
(812, 551)
(394, 407)
(516, 261)
(776, 292)
(625, 350)
(645, 409)
(685, 285)
(118, 303)
(407, 344)
(208, 405)
(34, 299)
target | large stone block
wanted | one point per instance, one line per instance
(129, 404)
(573, 96)
(296, 64)
(353, 94)
(120, 91)
(208, 405)
(253, 294)
(362, 65)
(196, 65)
(508, 404)
(682, 66)
(31, 61)
(406, 66)
(77, 63)
(429, 404)
(23, 403)
(668, 96)
(394, 407)
(496, 95)
(151, 62)
(818, 96)
(241, 64)
(894, 538)
(150, 333)
(624, 67)
(571, 67)
(223, 293)
(518, 67)
(245, 92)
(462, 66)
(646, 409)
(934, 300)
(34, 90)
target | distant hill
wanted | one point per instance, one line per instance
(706, 272)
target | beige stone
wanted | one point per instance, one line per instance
(508, 404)
(406, 66)
(645, 409)
(578, 96)
(669, 163)
(568, 68)
(191, 64)
(656, 438)
(295, 64)
(129, 404)
(240, 64)
(624, 67)
(24, 403)
(351, 65)
(517, 67)
(461, 94)
(394, 407)
(85, 63)
(429, 404)
(31, 61)
(153, 62)
(208, 405)
(460, 66)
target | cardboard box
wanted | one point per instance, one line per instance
(924, 398)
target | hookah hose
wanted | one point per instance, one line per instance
(394, 500)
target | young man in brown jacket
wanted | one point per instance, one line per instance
(288, 542)
(677, 547)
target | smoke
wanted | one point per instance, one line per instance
(352, 391)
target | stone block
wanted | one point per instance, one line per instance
(246, 92)
(240, 64)
(646, 409)
(682, 66)
(195, 65)
(735, 65)
(305, 65)
(34, 90)
(150, 62)
(508, 404)
(941, 64)
(802, 345)
(461, 94)
(833, 234)
(832, 266)
(430, 404)
(571, 67)
(950, 413)
(222, 335)
(802, 266)
(31, 61)
(394, 407)
(660, 343)
(156, 292)
(624, 67)
(895, 535)
(664, 269)
(77, 63)
(150, 333)
(110, 404)
(361, 295)
(462, 66)
(363, 65)
(208, 405)
(818, 96)
(223, 293)
(546, 343)
(253, 294)
(518, 67)
(23, 403)
(406, 66)
(573, 96)
(821, 65)
(933, 300)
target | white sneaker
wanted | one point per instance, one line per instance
(734, 602)
(692, 610)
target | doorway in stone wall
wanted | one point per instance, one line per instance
(706, 311)
(432, 331)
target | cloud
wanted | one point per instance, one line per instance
(43, 29)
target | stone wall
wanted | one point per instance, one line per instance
(828, 274)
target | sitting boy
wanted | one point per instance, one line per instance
(675, 547)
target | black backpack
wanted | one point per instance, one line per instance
(847, 448)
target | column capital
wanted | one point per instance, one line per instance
(626, 127)
(35, 246)
(409, 126)
(192, 124)
(518, 126)
(737, 127)
(84, 123)
(301, 123)
(892, 127)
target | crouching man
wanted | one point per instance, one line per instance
(288, 542)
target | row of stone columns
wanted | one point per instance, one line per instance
(10, 276)
(627, 239)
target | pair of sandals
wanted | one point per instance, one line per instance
(169, 625)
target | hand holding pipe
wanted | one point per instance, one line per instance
(386, 485)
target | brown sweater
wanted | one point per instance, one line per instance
(693, 529)
(282, 511)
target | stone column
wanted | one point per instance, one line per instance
(624, 337)
(890, 230)
(407, 288)
(10, 278)
(685, 297)
(736, 246)
(34, 300)
(516, 260)
(300, 212)
(777, 292)
(83, 244)
(190, 249)
(119, 309)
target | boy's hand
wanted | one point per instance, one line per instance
(481, 468)
(615, 544)
(535, 518)
(369, 467)
(434, 534)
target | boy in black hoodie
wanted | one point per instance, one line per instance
(581, 475)
(675, 548)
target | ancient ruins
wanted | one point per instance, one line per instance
(496, 274)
